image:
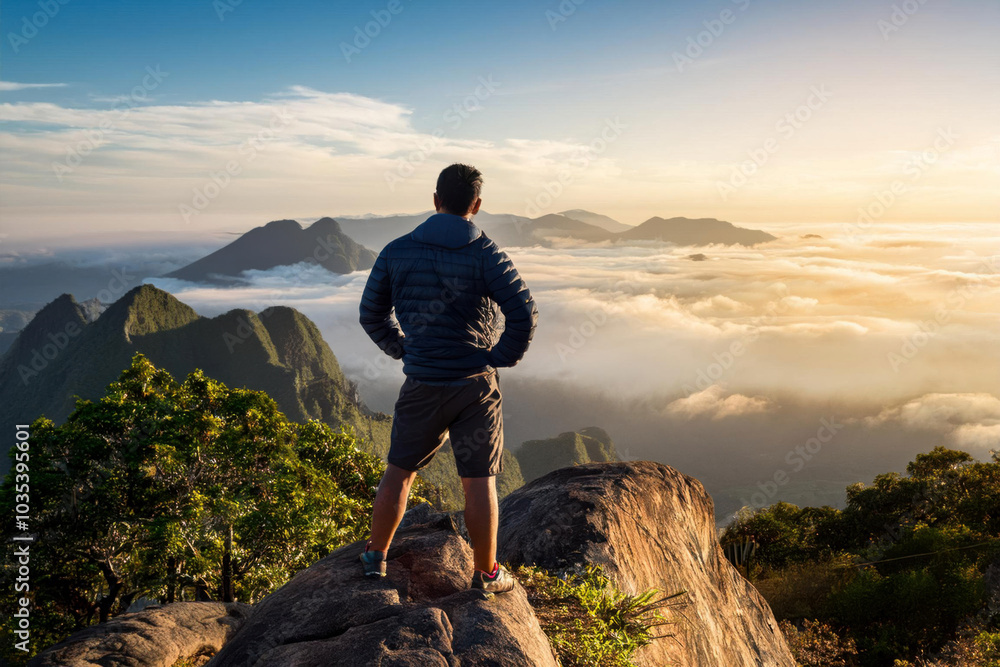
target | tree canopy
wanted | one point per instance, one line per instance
(170, 491)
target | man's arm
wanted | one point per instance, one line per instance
(376, 310)
(505, 286)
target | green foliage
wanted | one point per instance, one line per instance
(588, 621)
(899, 570)
(784, 533)
(175, 491)
(988, 645)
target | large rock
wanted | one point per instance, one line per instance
(155, 637)
(421, 614)
(648, 526)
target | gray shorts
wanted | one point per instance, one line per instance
(470, 413)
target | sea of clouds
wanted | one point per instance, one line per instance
(780, 372)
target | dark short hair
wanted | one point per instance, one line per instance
(458, 187)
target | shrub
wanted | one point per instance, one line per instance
(588, 621)
(817, 644)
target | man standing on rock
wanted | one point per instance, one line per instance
(444, 280)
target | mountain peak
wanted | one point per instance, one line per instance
(696, 231)
(57, 321)
(604, 222)
(146, 309)
(283, 226)
(280, 243)
(325, 225)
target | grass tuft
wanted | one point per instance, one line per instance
(589, 622)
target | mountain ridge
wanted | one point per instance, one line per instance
(278, 350)
(280, 243)
(510, 230)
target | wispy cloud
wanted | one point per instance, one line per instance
(9, 86)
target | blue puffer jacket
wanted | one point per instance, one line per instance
(445, 280)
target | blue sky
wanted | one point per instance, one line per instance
(897, 73)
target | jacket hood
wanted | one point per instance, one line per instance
(446, 230)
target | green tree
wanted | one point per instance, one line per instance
(171, 491)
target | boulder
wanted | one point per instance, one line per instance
(647, 526)
(422, 613)
(157, 636)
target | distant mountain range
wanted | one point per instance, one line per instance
(700, 231)
(564, 228)
(344, 246)
(280, 243)
(596, 219)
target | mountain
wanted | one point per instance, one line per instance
(540, 457)
(280, 243)
(506, 230)
(564, 228)
(687, 231)
(553, 225)
(60, 354)
(596, 219)
(647, 526)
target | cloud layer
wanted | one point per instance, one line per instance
(724, 366)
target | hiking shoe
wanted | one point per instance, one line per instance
(498, 581)
(373, 563)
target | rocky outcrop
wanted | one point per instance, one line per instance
(157, 636)
(648, 526)
(421, 614)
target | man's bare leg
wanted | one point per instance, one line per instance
(389, 506)
(481, 519)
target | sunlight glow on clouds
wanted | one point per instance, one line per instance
(303, 152)
(714, 403)
(971, 420)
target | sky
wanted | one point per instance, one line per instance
(190, 118)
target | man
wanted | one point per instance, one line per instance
(444, 280)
